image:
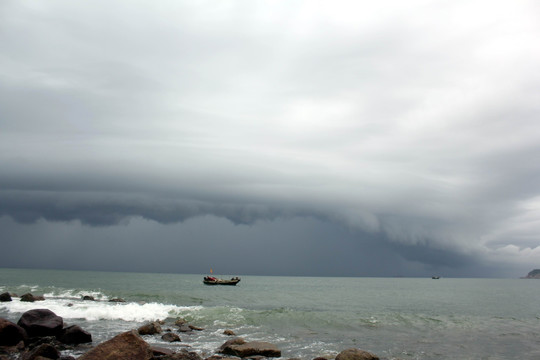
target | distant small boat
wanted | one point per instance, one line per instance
(435, 277)
(210, 280)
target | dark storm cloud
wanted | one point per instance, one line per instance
(412, 124)
(101, 209)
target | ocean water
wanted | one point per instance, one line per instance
(307, 317)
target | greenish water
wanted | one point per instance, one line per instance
(405, 318)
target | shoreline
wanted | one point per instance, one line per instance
(40, 333)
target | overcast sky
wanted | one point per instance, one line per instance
(357, 138)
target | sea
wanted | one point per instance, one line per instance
(306, 317)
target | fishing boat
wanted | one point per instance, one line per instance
(210, 280)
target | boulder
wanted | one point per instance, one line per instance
(229, 333)
(150, 329)
(196, 328)
(28, 297)
(74, 334)
(5, 297)
(125, 346)
(356, 354)
(41, 322)
(239, 347)
(170, 337)
(88, 297)
(11, 334)
(42, 351)
(31, 298)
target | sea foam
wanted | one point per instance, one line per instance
(98, 310)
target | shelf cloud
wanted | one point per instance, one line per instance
(410, 129)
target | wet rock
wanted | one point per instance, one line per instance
(219, 357)
(196, 328)
(11, 350)
(5, 297)
(255, 357)
(88, 298)
(74, 334)
(228, 343)
(150, 329)
(28, 297)
(182, 355)
(239, 347)
(229, 333)
(10, 333)
(184, 328)
(356, 354)
(41, 322)
(48, 340)
(126, 346)
(159, 351)
(42, 351)
(180, 322)
(170, 337)
(117, 300)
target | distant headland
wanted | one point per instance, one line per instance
(534, 274)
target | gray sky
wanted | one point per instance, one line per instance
(271, 137)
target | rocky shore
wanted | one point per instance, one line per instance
(40, 334)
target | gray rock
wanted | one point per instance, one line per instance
(184, 328)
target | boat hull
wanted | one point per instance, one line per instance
(214, 281)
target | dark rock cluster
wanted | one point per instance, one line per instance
(40, 334)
